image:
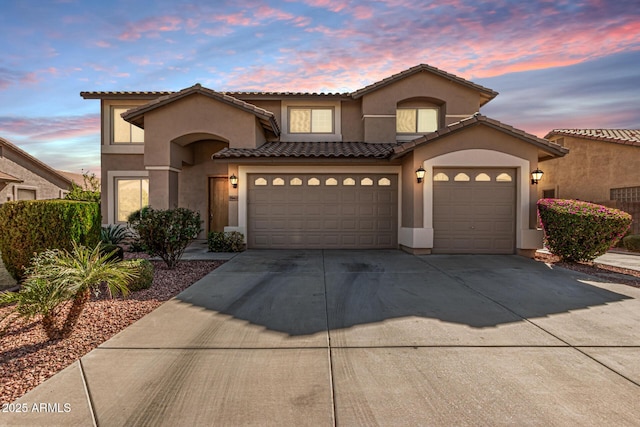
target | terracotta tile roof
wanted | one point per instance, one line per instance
(311, 149)
(259, 94)
(488, 94)
(5, 177)
(267, 118)
(549, 147)
(619, 136)
(123, 94)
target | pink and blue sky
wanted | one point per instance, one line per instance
(556, 63)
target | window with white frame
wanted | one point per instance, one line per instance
(311, 120)
(131, 195)
(123, 131)
(416, 120)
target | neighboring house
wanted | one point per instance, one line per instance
(603, 167)
(23, 177)
(336, 170)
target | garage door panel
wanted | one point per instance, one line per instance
(474, 216)
(324, 215)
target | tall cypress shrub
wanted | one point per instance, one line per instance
(29, 227)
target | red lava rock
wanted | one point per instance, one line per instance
(27, 358)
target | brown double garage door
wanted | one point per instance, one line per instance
(322, 211)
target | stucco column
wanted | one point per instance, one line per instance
(163, 188)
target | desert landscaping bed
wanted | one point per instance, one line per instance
(26, 357)
(606, 272)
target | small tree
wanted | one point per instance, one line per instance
(89, 192)
(166, 233)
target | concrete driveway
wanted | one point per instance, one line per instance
(366, 338)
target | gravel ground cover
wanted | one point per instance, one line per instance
(602, 271)
(26, 357)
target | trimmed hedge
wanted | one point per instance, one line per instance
(32, 226)
(145, 270)
(221, 241)
(581, 231)
(632, 242)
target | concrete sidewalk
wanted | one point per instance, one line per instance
(364, 338)
(614, 258)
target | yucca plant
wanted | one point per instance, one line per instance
(114, 234)
(58, 276)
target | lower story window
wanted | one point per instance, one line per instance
(132, 194)
(26, 194)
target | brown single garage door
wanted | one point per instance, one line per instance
(328, 211)
(474, 211)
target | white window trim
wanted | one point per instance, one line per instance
(111, 190)
(408, 136)
(107, 146)
(336, 136)
(112, 123)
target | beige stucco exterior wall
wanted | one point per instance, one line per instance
(179, 168)
(46, 185)
(379, 107)
(193, 180)
(352, 121)
(120, 164)
(272, 105)
(591, 169)
(467, 144)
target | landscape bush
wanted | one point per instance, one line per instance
(166, 233)
(114, 234)
(115, 251)
(145, 274)
(56, 276)
(32, 226)
(632, 242)
(581, 231)
(229, 241)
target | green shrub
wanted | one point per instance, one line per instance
(90, 192)
(166, 233)
(221, 241)
(116, 251)
(632, 242)
(114, 234)
(32, 226)
(59, 275)
(581, 231)
(145, 271)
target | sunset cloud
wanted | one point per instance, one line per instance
(577, 60)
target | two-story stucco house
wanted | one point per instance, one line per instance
(338, 170)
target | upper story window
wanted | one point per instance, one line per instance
(311, 120)
(416, 120)
(124, 132)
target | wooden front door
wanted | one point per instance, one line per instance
(218, 203)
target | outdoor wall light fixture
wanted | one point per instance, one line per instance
(234, 181)
(536, 176)
(420, 174)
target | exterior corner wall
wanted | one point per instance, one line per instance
(590, 170)
(352, 121)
